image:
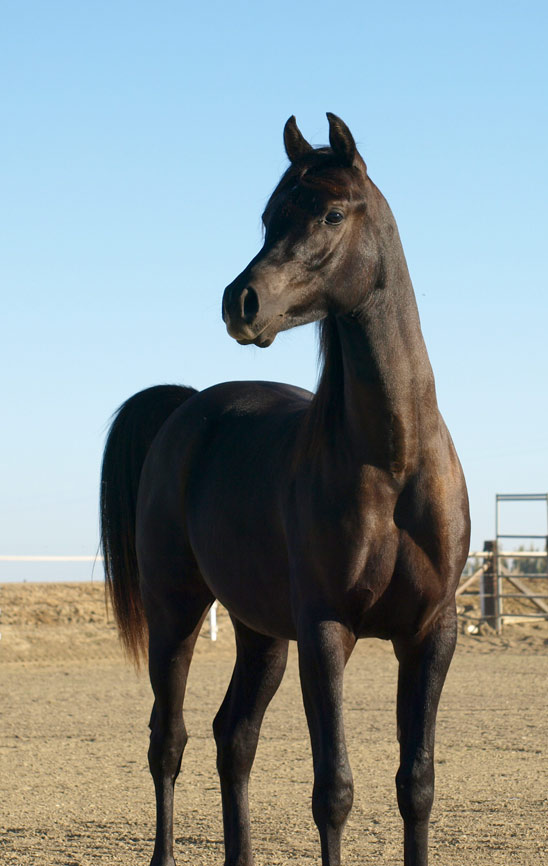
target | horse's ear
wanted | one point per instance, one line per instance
(341, 140)
(295, 143)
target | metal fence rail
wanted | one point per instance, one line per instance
(498, 582)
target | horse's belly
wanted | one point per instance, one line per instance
(236, 533)
(246, 569)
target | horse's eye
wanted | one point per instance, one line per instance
(334, 217)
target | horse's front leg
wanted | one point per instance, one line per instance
(422, 672)
(324, 648)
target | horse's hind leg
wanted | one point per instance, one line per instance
(422, 674)
(259, 668)
(171, 644)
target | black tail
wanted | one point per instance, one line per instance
(135, 425)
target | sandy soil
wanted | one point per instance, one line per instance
(75, 786)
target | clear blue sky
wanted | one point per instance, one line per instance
(139, 143)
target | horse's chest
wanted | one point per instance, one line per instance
(348, 543)
(346, 546)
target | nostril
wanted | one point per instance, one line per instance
(249, 301)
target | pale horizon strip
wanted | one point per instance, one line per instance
(47, 558)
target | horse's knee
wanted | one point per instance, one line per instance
(332, 797)
(235, 750)
(415, 789)
(167, 744)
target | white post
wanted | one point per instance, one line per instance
(213, 621)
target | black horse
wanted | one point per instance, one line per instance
(321, 518)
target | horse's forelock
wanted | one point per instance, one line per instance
(319, 170)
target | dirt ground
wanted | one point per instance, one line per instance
(75, 787)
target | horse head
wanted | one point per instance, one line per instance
(321, 250)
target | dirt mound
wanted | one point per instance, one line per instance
(65, 622)
(53, 603)
(46, 621)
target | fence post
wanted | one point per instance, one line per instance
(489, 588)
(213, 621)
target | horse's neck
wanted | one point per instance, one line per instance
(384, 392)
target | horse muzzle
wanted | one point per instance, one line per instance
(243, 316)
